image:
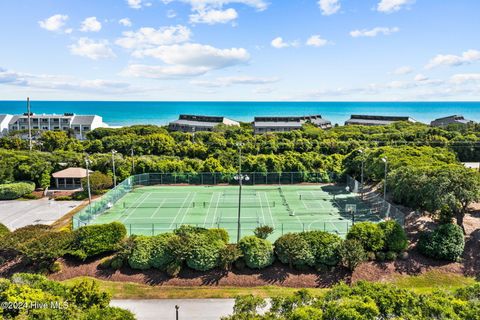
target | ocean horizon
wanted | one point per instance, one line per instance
(124, 113)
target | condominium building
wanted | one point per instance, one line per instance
(370, 120)
(79, 124)
(4, 121)
(445, 121)
(193, 123)
(285, 124)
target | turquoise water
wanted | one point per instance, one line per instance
(126, 112)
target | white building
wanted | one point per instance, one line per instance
(368, 120)
(285, 124)
(193, 123)
(79, 124)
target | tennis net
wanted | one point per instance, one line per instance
(127, 205)
(270, 204)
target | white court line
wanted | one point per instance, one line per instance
(179, 210)
(189, 206)
(156, 210)
(261, 207)
(138, 204)
(270, 210)
(215, 212)
(208, 210)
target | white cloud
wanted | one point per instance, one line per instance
(389, 6)
(403, 70)
(279, 43)
(62, 82)
(162, 72)
(263, 90)
(421, 78)
(54, 23)
(95, 50)
(214, 16)
(196, 55)
(91, 24)
(316, 41)
(126, 22)
(465, 77)
(329, 7)
(138, 4)
(198, 5)
(150, 37)
(229, 81)
(467, 57)
(373, 32)
(171, 14)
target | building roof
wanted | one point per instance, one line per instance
(83, 120)
(376, 120)
(280, 124)
(3, 117)
(71, 173)
(202, 121)
(289, 121)
(451, 119)
(195, 123)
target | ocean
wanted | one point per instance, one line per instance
(122, 113)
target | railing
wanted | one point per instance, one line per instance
(378, 205)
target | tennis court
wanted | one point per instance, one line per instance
(150, 210)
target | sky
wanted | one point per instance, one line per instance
(240, 50)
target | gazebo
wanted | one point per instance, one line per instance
(70, 178)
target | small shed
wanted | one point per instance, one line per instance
(70, 178)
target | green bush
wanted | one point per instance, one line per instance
(15, 190)
(380, 256)
(229, 255)
(173, 268)
(395, 236)
(369, 234)
(446, 242)
(161, 256)
(263, 232)
(3, 230)
(258, 253)
(391, 256)
(352, 253)
(324, 247)
(116, 263)
(219, 234)
(63, 198)
(141, 254)
(204, 252)
(96, 239)
(31, 196)
(306, 313)
(294, 250)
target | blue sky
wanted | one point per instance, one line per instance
(306, 50)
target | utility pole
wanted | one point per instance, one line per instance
(240, 177)
(133, 162)
(113, 168)
(385, 161)
(29, 124)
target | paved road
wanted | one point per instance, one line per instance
(19, 213)
(190, 309)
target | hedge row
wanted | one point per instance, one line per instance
(11, 191)
(446, 242)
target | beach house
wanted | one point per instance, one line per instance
(79, 125)
(445, 121)
(4, 121)
(193, 123)
(372, 120)
(285, 124)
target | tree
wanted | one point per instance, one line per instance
(98, 181)
(54, 140)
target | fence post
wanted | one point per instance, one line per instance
(130, 228)
(282, 229)
(303, 226)
(153, 229)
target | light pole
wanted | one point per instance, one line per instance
(385, 161)
(87, 164)
(176, 311)
(113, 168)
(133, 162)
(29, 113)
(240, 178)
(362, 176)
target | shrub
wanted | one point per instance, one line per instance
(47, 247)
(380, 256)
(98, 181)
(446, 242)
(391, 256)
(86, 294)
(324, 247)
(306, 313)
(95, 239)
(15, 190)
(141, 254)
(161, 256)
(63, 198)
(258, 253)
(240, 264)
(3, 230)
(293, 249)
(219, 234)
(173, 269)
(204, 252)
(56, 267)
(116, 263)
(369, 234)
(30, 196)
(110, 313)
(352, 253)
(263, 232)
(229, 255)
(395, 236)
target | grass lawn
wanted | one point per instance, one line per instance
(425, 283)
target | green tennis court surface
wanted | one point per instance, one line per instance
(293, 208)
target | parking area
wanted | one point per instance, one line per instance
(19, 213)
